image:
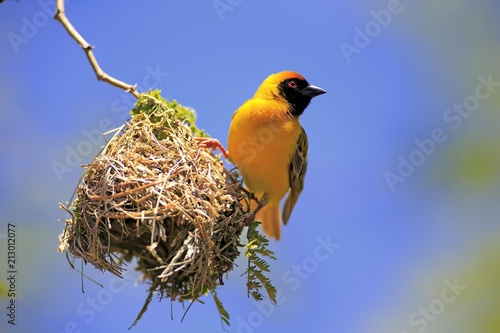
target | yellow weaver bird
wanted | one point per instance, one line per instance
(269, 146)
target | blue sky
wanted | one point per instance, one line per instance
(395, 244)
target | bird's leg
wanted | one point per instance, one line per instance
(248, 220)
(213, 144)
(249, 194)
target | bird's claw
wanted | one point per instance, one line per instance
(249, 219)
(211, 143)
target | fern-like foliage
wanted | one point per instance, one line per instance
(256, 251)
(224, 315)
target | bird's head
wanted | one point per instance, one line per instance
(290, 87)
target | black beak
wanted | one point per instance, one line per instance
(312, 91)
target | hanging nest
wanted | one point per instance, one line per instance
(153, 198)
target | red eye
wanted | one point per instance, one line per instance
(292, 84)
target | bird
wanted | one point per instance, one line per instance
(269, 147)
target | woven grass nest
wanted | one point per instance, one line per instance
(152, 197)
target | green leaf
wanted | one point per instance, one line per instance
(260, 263)
(224, 315)
(256, 295)
(270, 289)
(256, 251)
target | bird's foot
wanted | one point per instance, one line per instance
(250, 194)
(211, 143)
(249, 219)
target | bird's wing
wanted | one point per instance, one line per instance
(297, 174)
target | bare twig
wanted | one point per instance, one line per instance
(87, 48)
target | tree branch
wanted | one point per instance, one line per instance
(87, 48)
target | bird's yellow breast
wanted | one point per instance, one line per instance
(262, 139)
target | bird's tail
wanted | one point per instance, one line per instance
(270, 218)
